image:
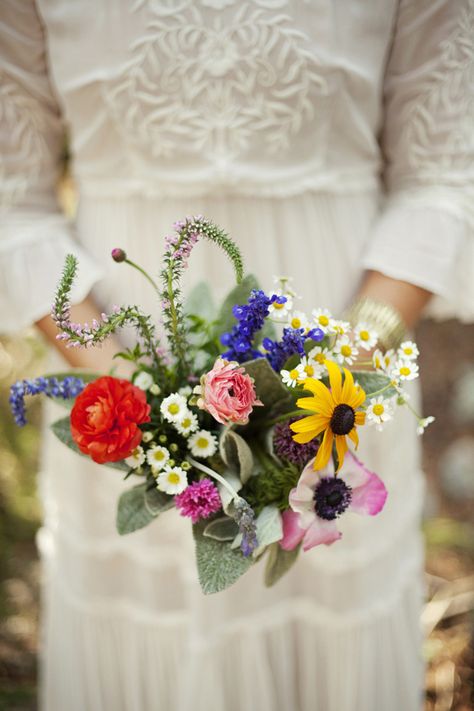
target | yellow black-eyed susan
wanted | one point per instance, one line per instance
(336, 413)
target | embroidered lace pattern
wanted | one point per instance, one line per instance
(217, 78)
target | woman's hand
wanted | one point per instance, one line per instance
(409, 300)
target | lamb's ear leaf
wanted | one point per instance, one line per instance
(139, 506)
(236, 454)
(222, 529)
(278, 563)
(269, 388)
(218, 565)
(62, 430)
(373, 382)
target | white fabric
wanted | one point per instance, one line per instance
(263, 115)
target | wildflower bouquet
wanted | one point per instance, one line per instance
(239, 418)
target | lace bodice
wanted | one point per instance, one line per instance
(269, 98)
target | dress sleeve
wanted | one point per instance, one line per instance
(34, 234)
(425, 234)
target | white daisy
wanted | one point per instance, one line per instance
(157, 457)
(290, 377)
(172, 480)
(340, 328)
(408, 351)
(379, 411)
(202, 444)
(136, 458)
(322, 319)
(173, 407)
(187, 424)
(389, 359)
(318, 354)
(365, 337)
(298, 319)
(308, 368)
(405, 370)
(280, 311)
(423, 424)
(345, 351)
(143, 380)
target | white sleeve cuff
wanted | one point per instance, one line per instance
(32, 254)
(431, 247)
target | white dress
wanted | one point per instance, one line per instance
(326, 137)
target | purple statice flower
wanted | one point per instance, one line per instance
(199, 500)
(286, 448)
(67, 388)
(292, 342)
(250, 319)
(244, 516)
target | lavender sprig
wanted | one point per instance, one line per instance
(179, 247)
(68, 388)
(244, 516)
(78, 335)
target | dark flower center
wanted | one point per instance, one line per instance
(332, 496)
(342, 420)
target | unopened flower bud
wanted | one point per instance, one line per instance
(118, 255)
(162, 439)
(173, 447)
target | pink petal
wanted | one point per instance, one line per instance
(369, 498)
(321, 531)
(292, 533)
(353, 472)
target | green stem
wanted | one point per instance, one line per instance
(145, 274)
(214, 475)
(379, 392)
(289, 415)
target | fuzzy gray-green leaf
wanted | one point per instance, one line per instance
(278, 563)
(373, 382)
(269, 528)
(132, 512)
(269, 389)
(200, 302)
(218, 565)
(222, 529)
(236, 454)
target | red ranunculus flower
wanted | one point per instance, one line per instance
(105, 419)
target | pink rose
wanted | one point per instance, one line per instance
(228, 393)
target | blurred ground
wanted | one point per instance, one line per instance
(447, 364)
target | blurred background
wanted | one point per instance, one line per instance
(447, 364)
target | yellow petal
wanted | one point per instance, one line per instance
(354, 436)
(312, 423)
(360, 418)
(341, 449)
(335, 380)
(303, 437)
(322, 394)
(316, 404)
(324, 451)
(348, 387)
(357, 398)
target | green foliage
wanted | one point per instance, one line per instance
(222, 529)
(269, 527)
(139, 506)
(236, 454)
(272, 484)
(218, 565)
(276, 397)
(62, 430)
(278, 563)
(371, 383)
(63, 291)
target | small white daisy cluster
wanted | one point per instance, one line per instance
(341, 344)
(400, 364)
(159, 455)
